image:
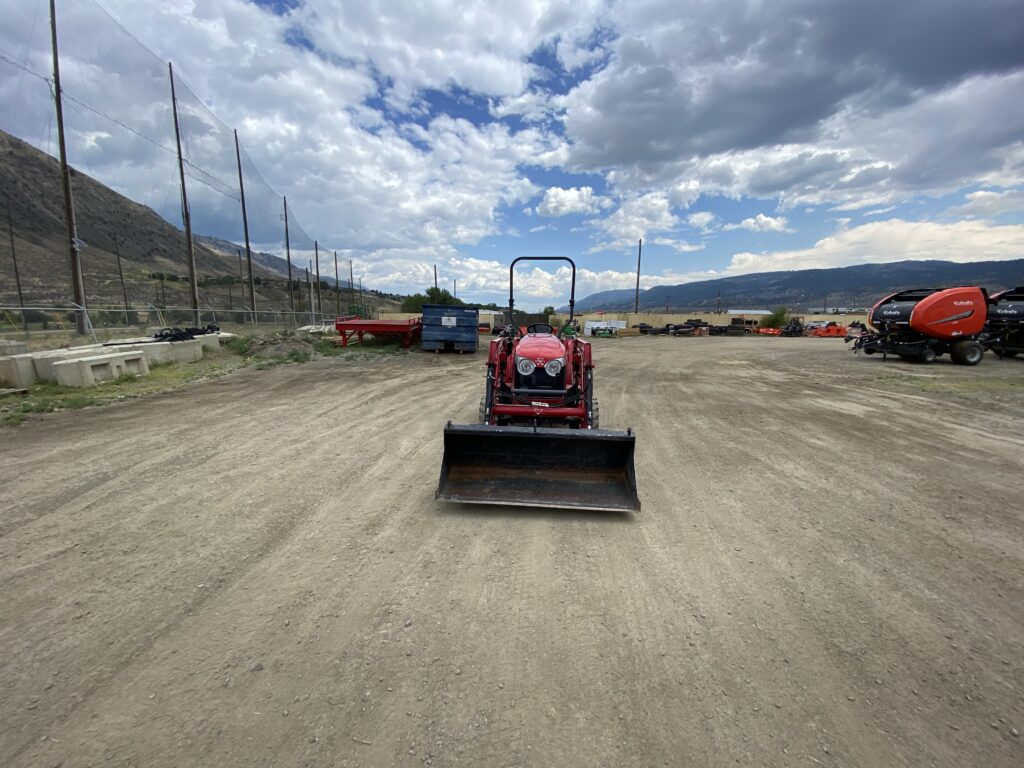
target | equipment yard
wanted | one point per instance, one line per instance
(828, 569)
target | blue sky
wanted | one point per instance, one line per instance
(732, 136)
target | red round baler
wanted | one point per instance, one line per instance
(923, 323)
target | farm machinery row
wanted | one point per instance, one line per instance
(923, 324)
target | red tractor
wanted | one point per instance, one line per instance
(538, 443)
(922, 324)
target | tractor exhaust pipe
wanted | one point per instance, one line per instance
(587, 469)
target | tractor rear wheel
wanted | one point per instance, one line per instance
(928, 355)
(967, 353)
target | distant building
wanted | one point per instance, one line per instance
(748, 311)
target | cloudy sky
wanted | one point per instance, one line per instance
(732, 136)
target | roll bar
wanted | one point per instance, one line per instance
(572, 289)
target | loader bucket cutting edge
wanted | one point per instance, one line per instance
(587, 469)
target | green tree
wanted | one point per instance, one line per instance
(548, 310)
(415, 302)
(776, 319)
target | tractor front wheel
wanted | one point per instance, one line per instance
(928, 355)
(595, 422)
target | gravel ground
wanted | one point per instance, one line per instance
(828, 570)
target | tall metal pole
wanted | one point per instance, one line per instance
(319, 301)
(14, 258)
(636, 299)
(186, 216)
(288, 255)
(351, 280)
(309, 293)
(455, 288)
(120, 274)
(337, 288)
(245, 227)
(435, 277)
(77, 283)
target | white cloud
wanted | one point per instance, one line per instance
(987, 204)
(679, 246)
(562, 202)
(701, 220)
(762, 223)
(890, 241)
(634, 219)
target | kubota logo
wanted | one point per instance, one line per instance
(963, 303)
(890, 311)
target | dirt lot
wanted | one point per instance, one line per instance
(828, 570)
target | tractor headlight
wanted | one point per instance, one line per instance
(525, 366)
(554, 367)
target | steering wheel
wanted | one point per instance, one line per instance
(539, 328)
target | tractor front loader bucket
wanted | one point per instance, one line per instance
(536, 467)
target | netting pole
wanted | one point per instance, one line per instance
(288, 255)
(309, 293)
(77, 283)
(319, 300)
(120, 274)
(245, 228)
(14, 258)
(186, 216)
(337, 288)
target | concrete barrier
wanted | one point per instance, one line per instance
(208, 340)
(88, 371)
(18, 371)
(11, 348)
(44, 361)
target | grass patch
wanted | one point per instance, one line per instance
(239, 345)
(49, 397)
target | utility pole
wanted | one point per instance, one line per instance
(77, 283)
(337, 288)
(718, 303)
(435, 277)
(319, 297)
(455, 288)
(288, 255)
(636, 300)
(14, 258)
(245, 227)
(186, 216)
(667, 300)
(120, 274)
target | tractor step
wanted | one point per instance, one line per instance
(589, 469)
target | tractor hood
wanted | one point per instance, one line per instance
(540, 347)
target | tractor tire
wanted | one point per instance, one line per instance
(869, 351)
(1003, 352)
(967, 353)
(595, 424)
(928, 356)
(483, 410)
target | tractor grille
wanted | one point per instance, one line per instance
(539, 379)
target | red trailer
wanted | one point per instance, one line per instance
(406, 331)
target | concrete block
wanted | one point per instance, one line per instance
(187, 351)
(44, 361)
(156, 352)
(224, 337)
(208, 340)
(17, 371)
(87, 371)
(10, 348)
